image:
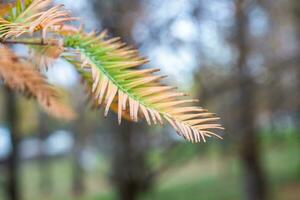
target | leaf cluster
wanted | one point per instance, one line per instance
(111, 69)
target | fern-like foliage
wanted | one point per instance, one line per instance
(109, 67)
(20, 76)
(44, 56)
(113, 67)
(87, 80)
(29, 16)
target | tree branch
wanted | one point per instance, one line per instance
(28, 42)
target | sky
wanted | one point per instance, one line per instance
(179, 63)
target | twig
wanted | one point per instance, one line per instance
(39, 43)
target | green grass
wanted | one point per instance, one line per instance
(281, 162)
(210, 174)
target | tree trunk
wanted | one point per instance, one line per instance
(123, 174)
(12, 181)
(12, 184)
(130, 171)
(254, 180)
(44, 160)
(78, 171)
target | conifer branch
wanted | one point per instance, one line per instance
(109, 66)
(20, 76)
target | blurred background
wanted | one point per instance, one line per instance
(241, 58)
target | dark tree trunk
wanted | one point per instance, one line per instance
(12, 182)
(78, 187)
(254, 180)
(44, 160)
(78, 172)
(130, 172)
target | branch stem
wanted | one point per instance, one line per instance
(28, 42)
